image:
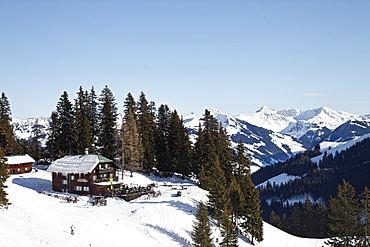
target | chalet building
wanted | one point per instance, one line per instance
(88, 174)
(18, 164)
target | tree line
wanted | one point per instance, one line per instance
(344, 220)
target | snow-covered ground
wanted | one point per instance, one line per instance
(278, 180)
(36, 219)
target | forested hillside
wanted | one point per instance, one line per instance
(285, 203)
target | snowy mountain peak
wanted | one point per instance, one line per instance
(325, 115)
(266, 110)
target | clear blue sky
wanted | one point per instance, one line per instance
(232, 55)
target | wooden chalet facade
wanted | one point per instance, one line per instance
(18, 164)
(88, 174)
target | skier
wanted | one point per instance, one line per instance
(73, 230)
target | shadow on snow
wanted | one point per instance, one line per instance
(182, 241)
(36, 184)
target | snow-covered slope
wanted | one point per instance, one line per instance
(37, 220)
(264, 146)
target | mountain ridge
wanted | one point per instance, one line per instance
(269, 135)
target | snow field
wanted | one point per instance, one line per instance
(36, 219)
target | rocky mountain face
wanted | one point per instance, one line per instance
(269, 135)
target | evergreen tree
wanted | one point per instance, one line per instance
(218, 197)
(130, 104)
(7, 140)
(228, 231)
(237, 201)
(201, 234)
(179, 146)
(83, 135)
(52, 142)
(93, 116)
(200, 159)
(343, 217)
(295, 220)
(205, 147)
(251, 220)
(65, 114)
(275, 220)
(365, 215)
(224, 152)
(146, 129)
(308, 215)
(320, 219)
(162, 139)
(132, 150)
(107, 126)
(4, 202)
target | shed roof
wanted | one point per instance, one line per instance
(78, 163)
(19, 159)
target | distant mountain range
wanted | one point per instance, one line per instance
(272, 135)
(269, 135)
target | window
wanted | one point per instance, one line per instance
(64, 181)
(95, 177)
(26, 168)
(72, 177)
(78, 188)
(111, 175)
(86, 188)
(104, 175)
(106, 166)
(18, 169)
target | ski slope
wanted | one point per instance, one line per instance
(35, 219)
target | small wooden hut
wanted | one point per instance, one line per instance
(18, 164)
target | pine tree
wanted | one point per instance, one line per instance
(224, 152)
(365, 215)
(295, 220)
(65, 114)
(4, 202)
(93, 116)
(179, 145)
(275, 220)
(308, 223)
(237, 201)
(52, 142)
(343, 217)
(251, 220)
(162, 139)
(201, 234)
(132, 150)
(218, 197)
(7, 140)
(228, 231)
(200, 158)
(107, 126)
(320, 219)
(83, 135)
(146, 129)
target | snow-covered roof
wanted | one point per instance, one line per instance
(19, 159)
(77, 163)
